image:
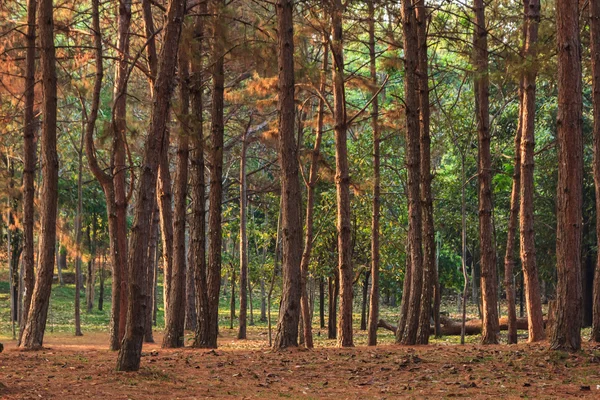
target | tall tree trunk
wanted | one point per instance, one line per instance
(78, 237)
(191, 318)
(198, 220)
(405, 296)
(310, 201)
(90, 277)
(165, 205)
(291, 225)
(322, 302)
(175, 316)
(232, 300)
(29, 164)
(33, 334)
(595, 44)
(374, 299)
(243, 239)
(411, 86)
(118, 153)
(566, 333)
(104, 180)
(530, 274)
(334, 289)
(426, 177)
(116, 213)
(365, 299)
(217, 31)
(489, 295)
(151, 271)
(130, 353)
(101, 286)
(509, 257)
(342, 178)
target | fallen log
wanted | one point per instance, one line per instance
(451, 327)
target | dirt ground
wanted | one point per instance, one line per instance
(82, 368)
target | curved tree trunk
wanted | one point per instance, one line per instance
(131, 349)
(566, 332)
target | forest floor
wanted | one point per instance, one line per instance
(82, 367)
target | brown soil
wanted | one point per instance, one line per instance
(82, 368)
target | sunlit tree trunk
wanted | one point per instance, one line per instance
(530, 274)
(291, 198)
(566, 333)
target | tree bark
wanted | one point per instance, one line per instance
(530, 274)
(130, 353)
(291, 197)
(365, 299)
(29, 165)
(405, 296)
(342, 178)
(119, 165)
(216, 171)
(509, 257)
(78, 236)
(595, 44)
(198, 220)
(243, 239)
(413, 161)
(374, 298)
(175, 317)
(151, 270)
(334, 289)
(165, 205)
(566, 334)
(33, 334)
(310, 201)
(428, 228)
(486, 230)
